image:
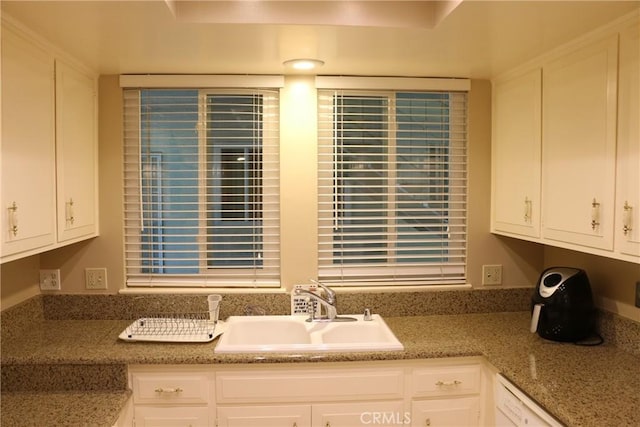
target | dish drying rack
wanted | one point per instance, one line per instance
(201, 326)
(173, 327)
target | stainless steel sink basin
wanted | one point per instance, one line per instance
(250, 334)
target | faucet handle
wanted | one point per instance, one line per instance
(330, 293)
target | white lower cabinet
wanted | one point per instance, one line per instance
(264, 416)
(172, 416)
(352, 414)
(433, 392)
(447, 395)
(172, 396)
(462, 411)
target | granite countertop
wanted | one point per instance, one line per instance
(579, 385)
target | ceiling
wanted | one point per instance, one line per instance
(475, 39)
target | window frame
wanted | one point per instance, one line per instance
(441, 274)
(206, 276)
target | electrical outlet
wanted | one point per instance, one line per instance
(300, 303)
(492, 274)
(50, 280)
(95, 278)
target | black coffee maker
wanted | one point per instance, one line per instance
(562, 305)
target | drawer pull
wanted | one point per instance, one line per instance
(626, 218)
(595, 214)
(448, 383)
(169, 390)
(69, 212)
(13, 219)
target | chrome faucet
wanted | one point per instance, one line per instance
(329, 302)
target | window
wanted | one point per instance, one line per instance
(201, 187)
(392, 187)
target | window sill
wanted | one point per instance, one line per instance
(142, 290)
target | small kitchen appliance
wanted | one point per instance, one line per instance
(562, 305)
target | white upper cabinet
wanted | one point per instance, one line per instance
(627, 228)
(579, 145)
(76, 150)
(49, 147)
(28, 146)
(515, 154)
(566, 146)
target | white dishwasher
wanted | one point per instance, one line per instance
(514, 408)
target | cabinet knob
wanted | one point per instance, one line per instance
(427, 422)
(13, 219)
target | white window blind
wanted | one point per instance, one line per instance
(201, 187)
(392, 187)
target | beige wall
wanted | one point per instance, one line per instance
(611, 279)
(19, 281)
(522, 261)
(107, 249)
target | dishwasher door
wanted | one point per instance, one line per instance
(514, 408)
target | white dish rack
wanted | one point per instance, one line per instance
(202, 326)
(174, 327)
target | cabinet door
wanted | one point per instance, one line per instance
(76, 153)
(173, 416)
(627, 232)
(579, 146)
(515, 154)
(28, 146)
(387, 413)
(264, 416)
(463, 411)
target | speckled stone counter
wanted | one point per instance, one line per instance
(62, 355)
(40, 409)
(582, 386)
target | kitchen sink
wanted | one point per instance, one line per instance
(268, 334)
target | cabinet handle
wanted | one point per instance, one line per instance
(427, 422)
(527, 209)
(69, 212)
(13, 219)
(448, 383)
(626, 218)
(169, 390)
(595, 214)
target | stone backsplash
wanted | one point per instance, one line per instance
(616, 330)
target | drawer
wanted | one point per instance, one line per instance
(309, 385)
(374, 413)
(174, 416)
(171, 388)
(446, 380)
(275, 415)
